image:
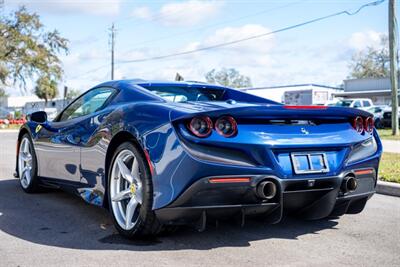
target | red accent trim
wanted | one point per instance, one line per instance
(234, 126)
(146, 153)
(229, 180)
(209, 125)
(305, 107)
(361, 172)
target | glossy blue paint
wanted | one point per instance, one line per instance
(75, 151)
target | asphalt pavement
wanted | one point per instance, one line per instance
(58, 229)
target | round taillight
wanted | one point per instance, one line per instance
(369, 124)
(201, 126)
(358, 124)
(226, 126)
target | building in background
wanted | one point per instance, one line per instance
(28, 104)
(376, 89)
(298, 94)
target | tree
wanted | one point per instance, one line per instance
(27, 50)
(372, 62)
(228, 77)
(2, 92)
(46, 88)
(72, 94)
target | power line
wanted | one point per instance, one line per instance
(344, 12)
(217, 24)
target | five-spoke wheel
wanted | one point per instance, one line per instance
(27, 165)
(130, 193)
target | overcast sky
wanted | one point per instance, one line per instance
(316, 53)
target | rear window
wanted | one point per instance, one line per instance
(183, 94)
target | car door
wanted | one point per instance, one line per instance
(59, 144)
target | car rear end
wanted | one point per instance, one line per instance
(271, 160)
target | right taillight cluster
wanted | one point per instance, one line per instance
(202, 126)
(362, 125)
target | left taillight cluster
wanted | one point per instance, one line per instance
(362, 125)
(202, 126)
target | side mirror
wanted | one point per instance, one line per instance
(38, 116)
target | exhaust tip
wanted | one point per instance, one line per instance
(266, 190)
(349, 184)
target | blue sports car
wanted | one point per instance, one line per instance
(161, 154)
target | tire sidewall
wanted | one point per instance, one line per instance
(145, 176)
(33, 184)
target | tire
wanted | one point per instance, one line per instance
(27, 165)
(131, 196)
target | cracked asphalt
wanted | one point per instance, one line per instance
(58, 229)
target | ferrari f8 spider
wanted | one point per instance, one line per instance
(159, 154)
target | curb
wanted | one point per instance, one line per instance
(387, 188)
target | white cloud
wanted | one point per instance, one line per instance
(185, 13)
(95, 7)
(142, 12)
(268, 61)
(361, 40)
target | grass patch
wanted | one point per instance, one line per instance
(387, 134)
(389, 168)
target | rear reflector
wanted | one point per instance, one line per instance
(305, 107)
(229, 180)
(362, 172)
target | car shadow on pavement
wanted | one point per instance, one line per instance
(59, 219)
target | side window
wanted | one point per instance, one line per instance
(366, 103)
(357, 104)
(88, 103)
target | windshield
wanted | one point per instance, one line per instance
(342, 103)
(183, 94)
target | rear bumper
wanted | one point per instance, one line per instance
(313, 198)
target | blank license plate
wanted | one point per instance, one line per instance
(309, 163)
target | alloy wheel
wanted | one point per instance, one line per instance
(25, 163)
(126, 189)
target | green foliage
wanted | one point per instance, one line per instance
(371, 63)
(72, 94)
(2, 92)
(228, 77)
(27, 50)
(46, 88)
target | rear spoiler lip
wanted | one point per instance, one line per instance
(275, 112)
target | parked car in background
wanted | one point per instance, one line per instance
(387, 117)
(360, 103)
(378, 111)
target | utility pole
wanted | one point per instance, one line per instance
(112, 42)
(393, 66)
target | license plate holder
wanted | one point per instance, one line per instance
(309, 162)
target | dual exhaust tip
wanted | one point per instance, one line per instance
(349, 183)
(266, 190)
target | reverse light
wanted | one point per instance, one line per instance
(358, 124)
(369, 124)
(201, 126)
(363, 150)
(226, 126)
